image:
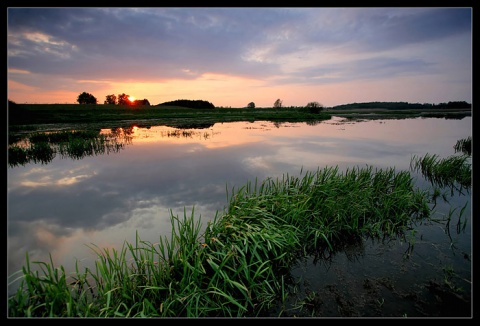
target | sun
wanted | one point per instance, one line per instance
(131, 98)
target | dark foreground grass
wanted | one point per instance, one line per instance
(237, 266)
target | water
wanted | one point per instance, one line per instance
(61, 207)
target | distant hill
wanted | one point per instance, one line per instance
(403, 105)
(194, 104)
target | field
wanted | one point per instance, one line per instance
(33, 116)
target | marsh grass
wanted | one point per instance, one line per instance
(464, 145)
(22, 116)
(454, 171)
(42, 147)
(239, 265)
(25, 115)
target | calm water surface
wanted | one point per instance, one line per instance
(61, 207)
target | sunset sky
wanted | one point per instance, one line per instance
(234, 56)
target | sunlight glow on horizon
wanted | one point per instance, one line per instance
(221, 90)
(223, 93)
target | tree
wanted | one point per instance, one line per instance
(251, 105)
(144, 102)
(314, 107)
(123, 99)
(277, 104)
(86, 98)
(111, 99)
(194, 104)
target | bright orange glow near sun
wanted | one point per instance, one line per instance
(131, 98)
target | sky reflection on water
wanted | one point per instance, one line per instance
(61, 207)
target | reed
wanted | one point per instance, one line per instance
(454, 171)
(42, 147)
(464, 145)
(239, 265)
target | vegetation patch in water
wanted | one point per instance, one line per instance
(239, 265)
(42, 147)
(454, 171)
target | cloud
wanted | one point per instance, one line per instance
(370, 68)
(274, 45)
(111, 43)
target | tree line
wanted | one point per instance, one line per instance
(193, 104)
(403, 105)
(124, 99)
(314, 106)
(121, 99)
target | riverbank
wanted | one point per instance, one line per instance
(32, 116)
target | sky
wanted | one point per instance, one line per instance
(233, 56)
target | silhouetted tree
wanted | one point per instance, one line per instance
(141, 102)
(456, 104)
(314, 107)
(111, 99)
(277, 104)
(123, 99)
(86, 98)
(194, 104)
(251, 105)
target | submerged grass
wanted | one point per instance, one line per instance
(454, 171)
(42, 147)
(464, 145)
(238, 266)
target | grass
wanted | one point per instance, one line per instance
(42, 147)
(238, 266)
(454, 171)
(23, 117)
(464, 145)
